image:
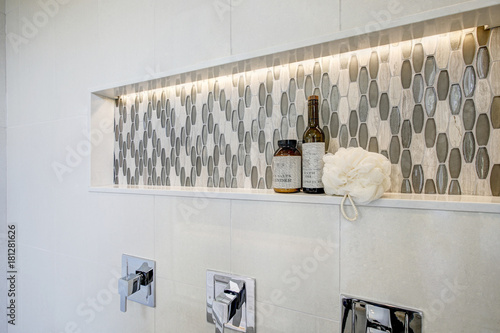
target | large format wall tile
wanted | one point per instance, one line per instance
(191, 236)
(292, 251)
(222, 132)
(443, 263)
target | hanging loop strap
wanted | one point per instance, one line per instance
(352, 219)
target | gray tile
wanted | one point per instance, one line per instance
(308, 88)
(363, 108)
(495, 112)
(430, 101)
(394, 150)
(363, 135)
(334, 125)
(430, 133)
(406, 134)
(495, 180)
(417, 178)
(418, 88)
(343, 136)
(455, 99)
(418, 118)
(292, 89)
(430, 70)
(262, 94)
(442, 179)
(269, 106)
(443, 85)
(395, 120)
(241, 110)
(468, 49)
(316, 74)
(482, 35)
(373, 94)
(469, 115)
(482, 130)
(374, 64)
(284, 104)
(334, 98)
(430, 188)
(353, 68)
(353, 123)
(469, 81)
(384, 106)
(406, 73)
(442, 147)
(406, 163)
(373, 145)
(300, 127)
(469, 147)
(363, 80)
(418, 57)
(455, 163)
(325, 111)
(325, 85)
(248, 96)
(482, 163)
(405, 186)
(454, 188)
(483, 62)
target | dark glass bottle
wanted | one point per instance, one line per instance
(313, 150)
(286, 167)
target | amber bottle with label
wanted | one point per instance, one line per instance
(286, 167)
(313, 150)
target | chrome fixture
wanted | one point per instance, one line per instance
(230, 302)
(138, 281)
(370, 317)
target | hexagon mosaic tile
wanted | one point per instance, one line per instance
(432, 110)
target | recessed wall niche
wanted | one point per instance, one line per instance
(430, 105)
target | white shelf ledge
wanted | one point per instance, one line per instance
(464, 203)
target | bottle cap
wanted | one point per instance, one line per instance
(287, 143)
(312, 97)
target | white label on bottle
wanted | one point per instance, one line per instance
(312, 164)
(286, 172)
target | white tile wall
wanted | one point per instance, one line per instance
(292, 251)
(75, 239)
(191, 236)
(442, 263)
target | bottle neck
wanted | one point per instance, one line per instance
(313, 113)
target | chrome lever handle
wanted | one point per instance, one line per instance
(227, 302)
(127, 286)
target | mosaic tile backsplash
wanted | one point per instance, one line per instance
(430, 105)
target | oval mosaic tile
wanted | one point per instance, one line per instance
(417, 178)
(483, 63)
(418, 118)
(482, 130)
(482, 163)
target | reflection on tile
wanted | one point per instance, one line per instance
(417, 178)
(469, 147)
(469, 49)
(442, 179)
(482, 163)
